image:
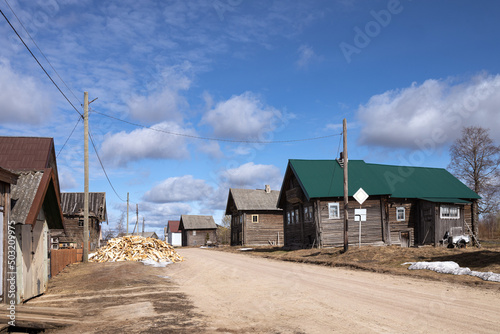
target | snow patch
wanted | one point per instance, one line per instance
(451, 267)
(159, 264)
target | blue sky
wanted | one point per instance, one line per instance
(407, 76)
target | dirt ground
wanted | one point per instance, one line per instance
(235, 292)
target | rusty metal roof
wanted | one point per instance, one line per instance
(173, 226)
(25, 152)
(72, 205)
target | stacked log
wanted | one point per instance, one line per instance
(136, 248)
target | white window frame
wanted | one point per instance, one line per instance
(257, 219)
(397, 213)
(194, 233)
(336, 205)
(445, 212)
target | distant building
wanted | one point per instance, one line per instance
(72, 205)
(197, 230)
(255, 218)
(173, 233)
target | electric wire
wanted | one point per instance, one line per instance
(71, 134)
(22, 25)
(34, 57)
(215, 139)
(102, 166)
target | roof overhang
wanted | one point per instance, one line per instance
(445, 200)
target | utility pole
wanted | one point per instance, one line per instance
(346, 189)
(127, 212)
(143, 226)
(137, 217)
(86, 177)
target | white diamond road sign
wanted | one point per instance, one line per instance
(360, 196)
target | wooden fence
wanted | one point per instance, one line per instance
(60, 258)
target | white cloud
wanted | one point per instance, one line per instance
(179, 189)
(165, 101)
(242, 117)
(22, 98)
(121, 148)
(251, 175)
(430, 114)
(306, 56)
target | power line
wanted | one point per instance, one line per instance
(216, 139)
(102, 166)
(48, 75)
(22, 25)
(78, 122)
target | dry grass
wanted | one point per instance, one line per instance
(389, 259)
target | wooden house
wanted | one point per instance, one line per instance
(197, 230)
(173, 233)
(406, 205)
(255, 218)
(35, 208)
(7, 179)
(72, 205)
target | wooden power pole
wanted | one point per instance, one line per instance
(346, 189)
(127, 212)
(86, 177)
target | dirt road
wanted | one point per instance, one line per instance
(241, 294)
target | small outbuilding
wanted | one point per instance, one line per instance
(255, 218)
(173, 233)
(197, 230)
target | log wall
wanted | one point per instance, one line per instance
(265, 231)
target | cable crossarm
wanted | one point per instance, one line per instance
(212, 138)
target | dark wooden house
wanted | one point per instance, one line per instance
(255, 218)
(406, 205)
(197, 230)
(35, 208)
(7, 179)
(72, 205)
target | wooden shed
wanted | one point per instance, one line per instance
(406, 205)
(173, 233)
(255, 218)
(197, 230)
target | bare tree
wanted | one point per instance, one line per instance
(475, 160)
(108, 234)
(120, 224)
(224, 231)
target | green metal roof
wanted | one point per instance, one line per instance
(324, 178)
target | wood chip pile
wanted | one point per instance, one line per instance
(136, 248)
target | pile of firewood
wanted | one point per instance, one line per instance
(136, 248)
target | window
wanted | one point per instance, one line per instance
(194, 233)
(297, 216)
(450, 211)
(306, 213)
(333, 211)
(288, 218)
(80, 223)
(293, 216)
(255, 218)
(241, 219)
(400, 213)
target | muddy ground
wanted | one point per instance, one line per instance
(226, 290)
